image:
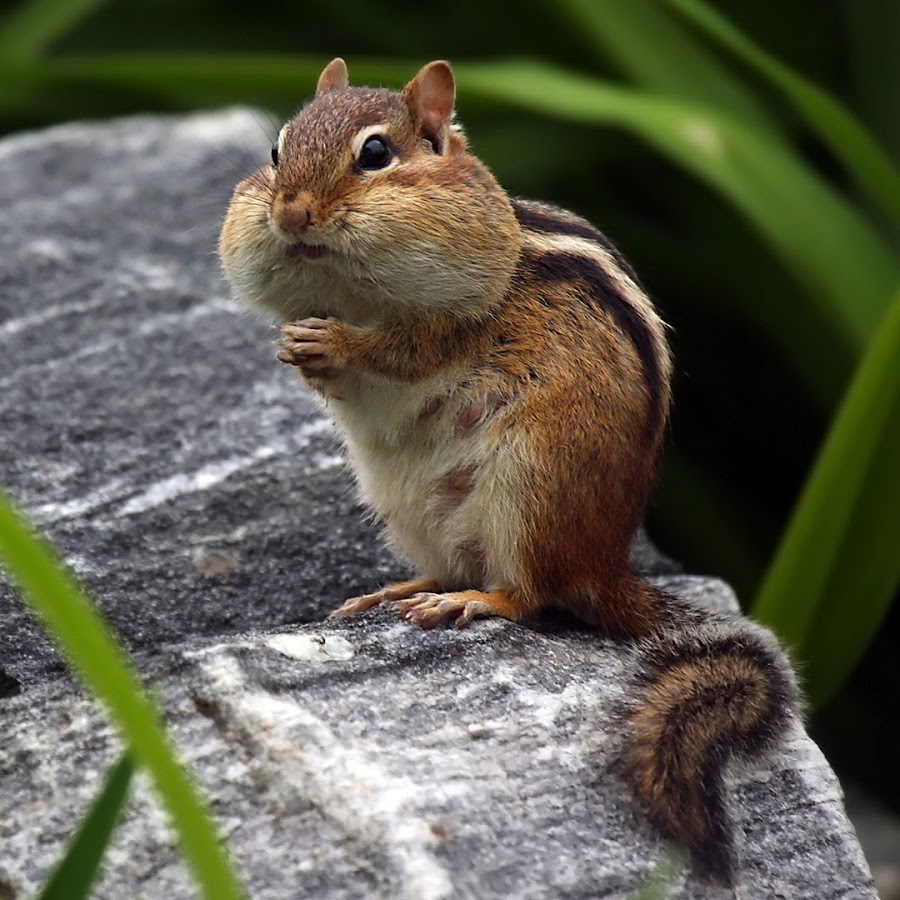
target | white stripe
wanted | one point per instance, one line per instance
(543, 242)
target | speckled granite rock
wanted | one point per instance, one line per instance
(200, 496)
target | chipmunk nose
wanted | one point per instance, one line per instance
(292, 213)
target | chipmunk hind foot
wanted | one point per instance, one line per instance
(399, 590)
(421, 600)
(462, 607)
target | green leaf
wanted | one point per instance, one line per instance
(662, 878)
(96, 656)
(862, 156)
(34, 25)
(76, 871)
(79, 86)
(838, 567)
(846, 267)
(655, 50)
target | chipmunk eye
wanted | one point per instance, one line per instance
(275, 154)
(375, 153)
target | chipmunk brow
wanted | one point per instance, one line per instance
(361, 136)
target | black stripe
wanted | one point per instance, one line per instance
(569, 268)
(548, 220)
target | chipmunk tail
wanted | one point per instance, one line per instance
(719, 689)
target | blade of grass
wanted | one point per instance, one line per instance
(30, 28)
(77, 870)
(847, 268)
(655, 50)
(861, 154)
(742, 271)
(837, 566)
(96, 656)
(88, 86)
(661, 880)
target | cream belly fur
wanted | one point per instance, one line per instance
(447, 501)
(461, 535)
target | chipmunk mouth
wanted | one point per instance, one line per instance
(309, 251)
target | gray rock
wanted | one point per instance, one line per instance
(198, 492)
(879, 833)
(145, 427)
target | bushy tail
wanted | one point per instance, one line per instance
(711, 687)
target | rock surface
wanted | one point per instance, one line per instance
(198, 492)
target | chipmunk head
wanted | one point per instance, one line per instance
(372, 205)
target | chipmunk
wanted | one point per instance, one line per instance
(501, 380)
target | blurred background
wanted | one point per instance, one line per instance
(744, 154)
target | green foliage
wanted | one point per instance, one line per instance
(843, 261)
(837, 566)
(760, 199)
(862, 156)
(32, 27)
(96, 657)
(663, 58)
(661, 880)
(76, 871)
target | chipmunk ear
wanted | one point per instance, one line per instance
(431, 95)
(333, 76)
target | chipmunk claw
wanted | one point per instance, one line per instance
(356, 606)
(391, 593)
(313, 346)
(427, 609)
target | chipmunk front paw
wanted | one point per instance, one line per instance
(314, 346)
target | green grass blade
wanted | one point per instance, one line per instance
(76, 871)
(654, 49)
(838, 565)
(861, 154)
(89, 86)
(845, 265)
(101, 663)
(34, 25)
(661, 880)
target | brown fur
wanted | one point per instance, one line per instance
(334, 76)
(713, 688)
(503, 383)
